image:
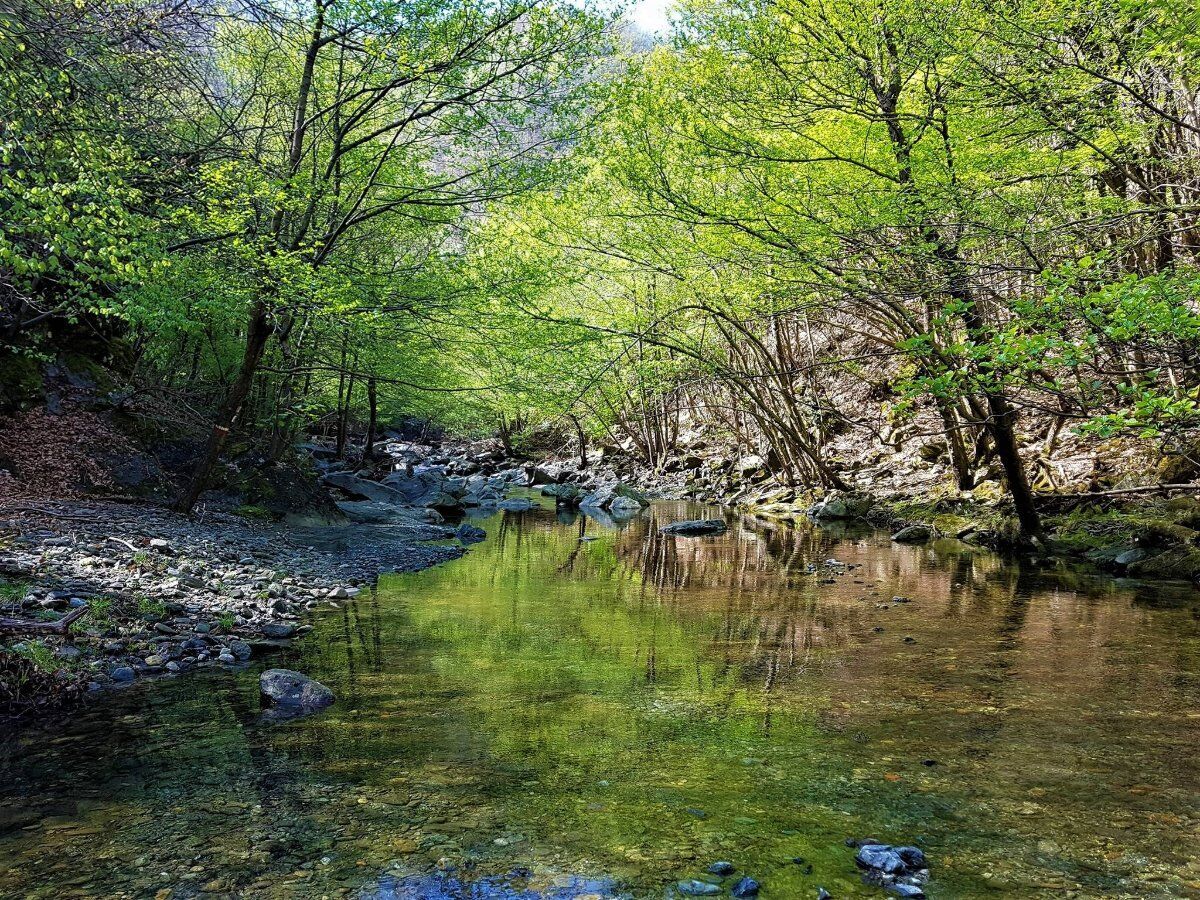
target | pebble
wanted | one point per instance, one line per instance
(722, 868)
(123, 674)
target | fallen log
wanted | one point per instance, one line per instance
(58, 626)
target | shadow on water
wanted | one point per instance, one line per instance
(584, 707)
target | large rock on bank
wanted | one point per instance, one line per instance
(840, 506)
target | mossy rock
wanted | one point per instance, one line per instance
(21, 382)
(1165, 533)
(1182, 563)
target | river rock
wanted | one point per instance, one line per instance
(285, 688)
(695, 527)
(516, 504)
(913, 534)
(901, 870)
(695, 888)
(840, 506)
(722, 868)
(617, 498)
(122, 674)
(363, 488)
(278, 630)
(563, 494)
(470, 534)
(747, 887)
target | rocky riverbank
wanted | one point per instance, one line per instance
(164, 594)
(97, 594)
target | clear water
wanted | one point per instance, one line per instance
(557, 717)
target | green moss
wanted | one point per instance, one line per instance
(258, 513)
(20, 381)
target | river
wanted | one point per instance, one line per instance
(576, 709)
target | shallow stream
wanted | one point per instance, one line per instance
(580, 710)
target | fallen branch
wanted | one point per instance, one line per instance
(57, 627)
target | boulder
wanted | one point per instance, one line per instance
(564, 494)
(695, 527)
(913, 534)
(470, 534)
(362, 488)
(516, 504)
(840, 506)
(427, 487)
(293, 691)
(617, 498)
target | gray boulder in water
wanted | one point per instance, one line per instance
(470, 534)
(695, 527)
(617, 498)
(913, 534)
(292, 691)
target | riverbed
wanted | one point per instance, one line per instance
(580, 708)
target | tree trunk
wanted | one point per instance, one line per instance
(583, 447)
(372, 403)
(1001, 426)
(258, 331)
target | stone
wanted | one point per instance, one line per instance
(364, 489)
(901, 889)
(722, 868)
(278, 630)
(285, 688)
(618, 498)
(889, 860)
(695, 527)
(747, 887)
(154, 661)
(823, 894)
(563, 494)
(694, 888)
(913, 534)
(840, 506)
(338, 593)
(122, 674)
(516, 504)
(1129, 557)
(240, 649)
(470, 534)
(227, 658)
(162, 546)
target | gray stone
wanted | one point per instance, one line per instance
(122, 674)
(285, 688)
(278, 630)
(1129, 557)
(695, 527)
(563, 494)
(913, 534)
(364, 489)
(695, 888)
(470, 534)
(516, 504)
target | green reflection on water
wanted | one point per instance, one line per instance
(639, 706)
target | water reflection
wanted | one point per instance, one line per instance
(577, 701)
